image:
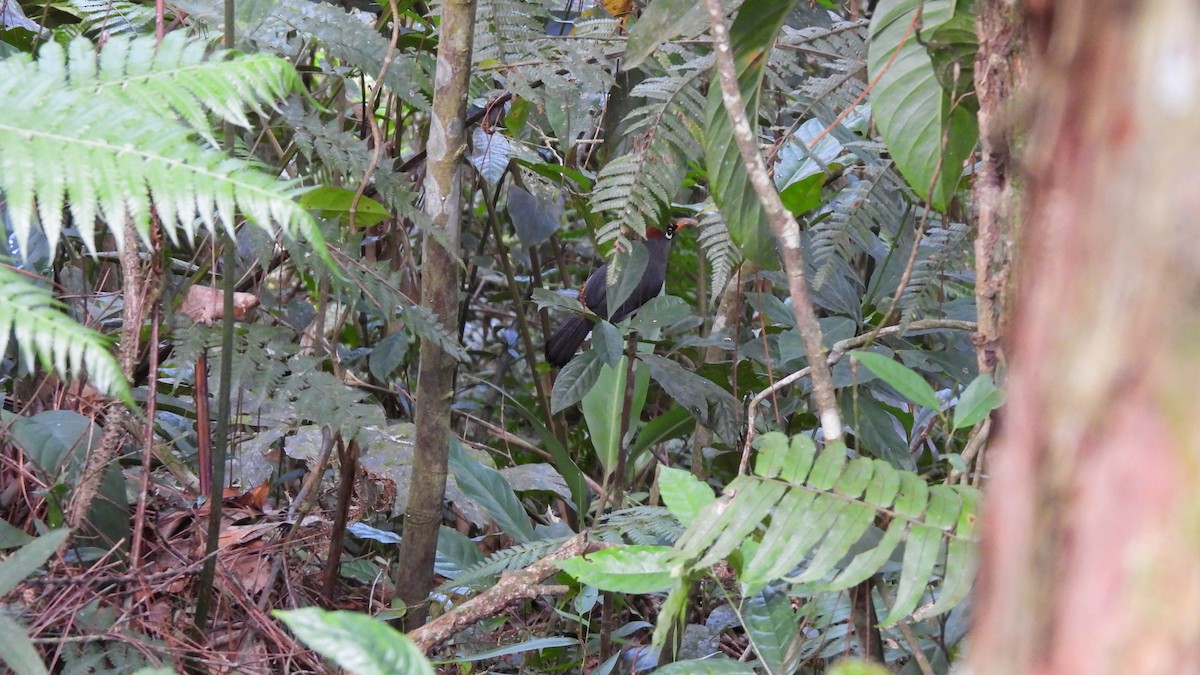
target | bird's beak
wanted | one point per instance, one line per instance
(686, 222)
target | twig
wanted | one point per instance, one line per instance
(512, 588)
(835, 354)
(783, 225)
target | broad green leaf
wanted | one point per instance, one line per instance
(625, 272)
(487, 487)
(336, 202)
(857, 667)
(771, 628)
(660, 21)
(575, 380)
(603, 408)
(28, 558)
(11, 537)
(914, 113)
(903, 379)
(712, 406)
(683, 493)
(920, 555)
(356, 642)
(546, 298)
(952, 47)
(752, 35)
(660, 312)
(17, 650)
(718, 665)
(803, 166)
(519, 648)
(624, 569)
(387, 355)
(535, 218)
(607, 340)
(977, 400)
(675, 423)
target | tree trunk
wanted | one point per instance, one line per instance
(1091, 555)
(439, 293)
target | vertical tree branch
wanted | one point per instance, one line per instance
(439, 293)
(783, 225)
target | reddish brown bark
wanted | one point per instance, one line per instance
(1091, 557)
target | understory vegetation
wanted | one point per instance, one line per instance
(212, 316)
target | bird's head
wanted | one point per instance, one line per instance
(675, 226)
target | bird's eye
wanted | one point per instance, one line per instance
(670, 231)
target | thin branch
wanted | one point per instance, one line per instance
(835, 354)
(783, 225)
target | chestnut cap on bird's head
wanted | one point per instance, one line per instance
(675, 226)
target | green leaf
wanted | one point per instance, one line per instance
(628, 269)
(624, 569)
(547, 298)
(661, 312)
(752, 35)
(387, 355)
(575, 380)
(28, 558)
(17, 650)
(977, 400)
(718, 665)
(675, 423)
(138, 153)
(662, 20)
(712, 406)
(771, 628)
(607, 340)
(683, 493)
(803, 166)
(487, 487)
(335, 202)
(603, 408)
(910, 106)
(11, 537)
(356, 642)
(520, 648)
(44, 334)
(903, 379)
(857, 667)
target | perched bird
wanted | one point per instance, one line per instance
(561, 346)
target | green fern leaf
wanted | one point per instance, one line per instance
(814, 507)
(43, 333)
(72, 137)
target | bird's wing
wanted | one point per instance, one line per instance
(595, 292)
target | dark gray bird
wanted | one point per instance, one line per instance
(561, 346)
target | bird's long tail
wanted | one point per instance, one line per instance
(561, 346)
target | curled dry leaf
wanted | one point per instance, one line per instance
(204, 304)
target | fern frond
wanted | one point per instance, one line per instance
(43, 333)
(635, 188)
(945, 246)
(719, 249)
(179, 77)
(848, 223)
(506, 560)
(348, 37)
(93, 148)
(113, 17)
(816, 506)
(639, 525)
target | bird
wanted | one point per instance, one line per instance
(561, 346)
